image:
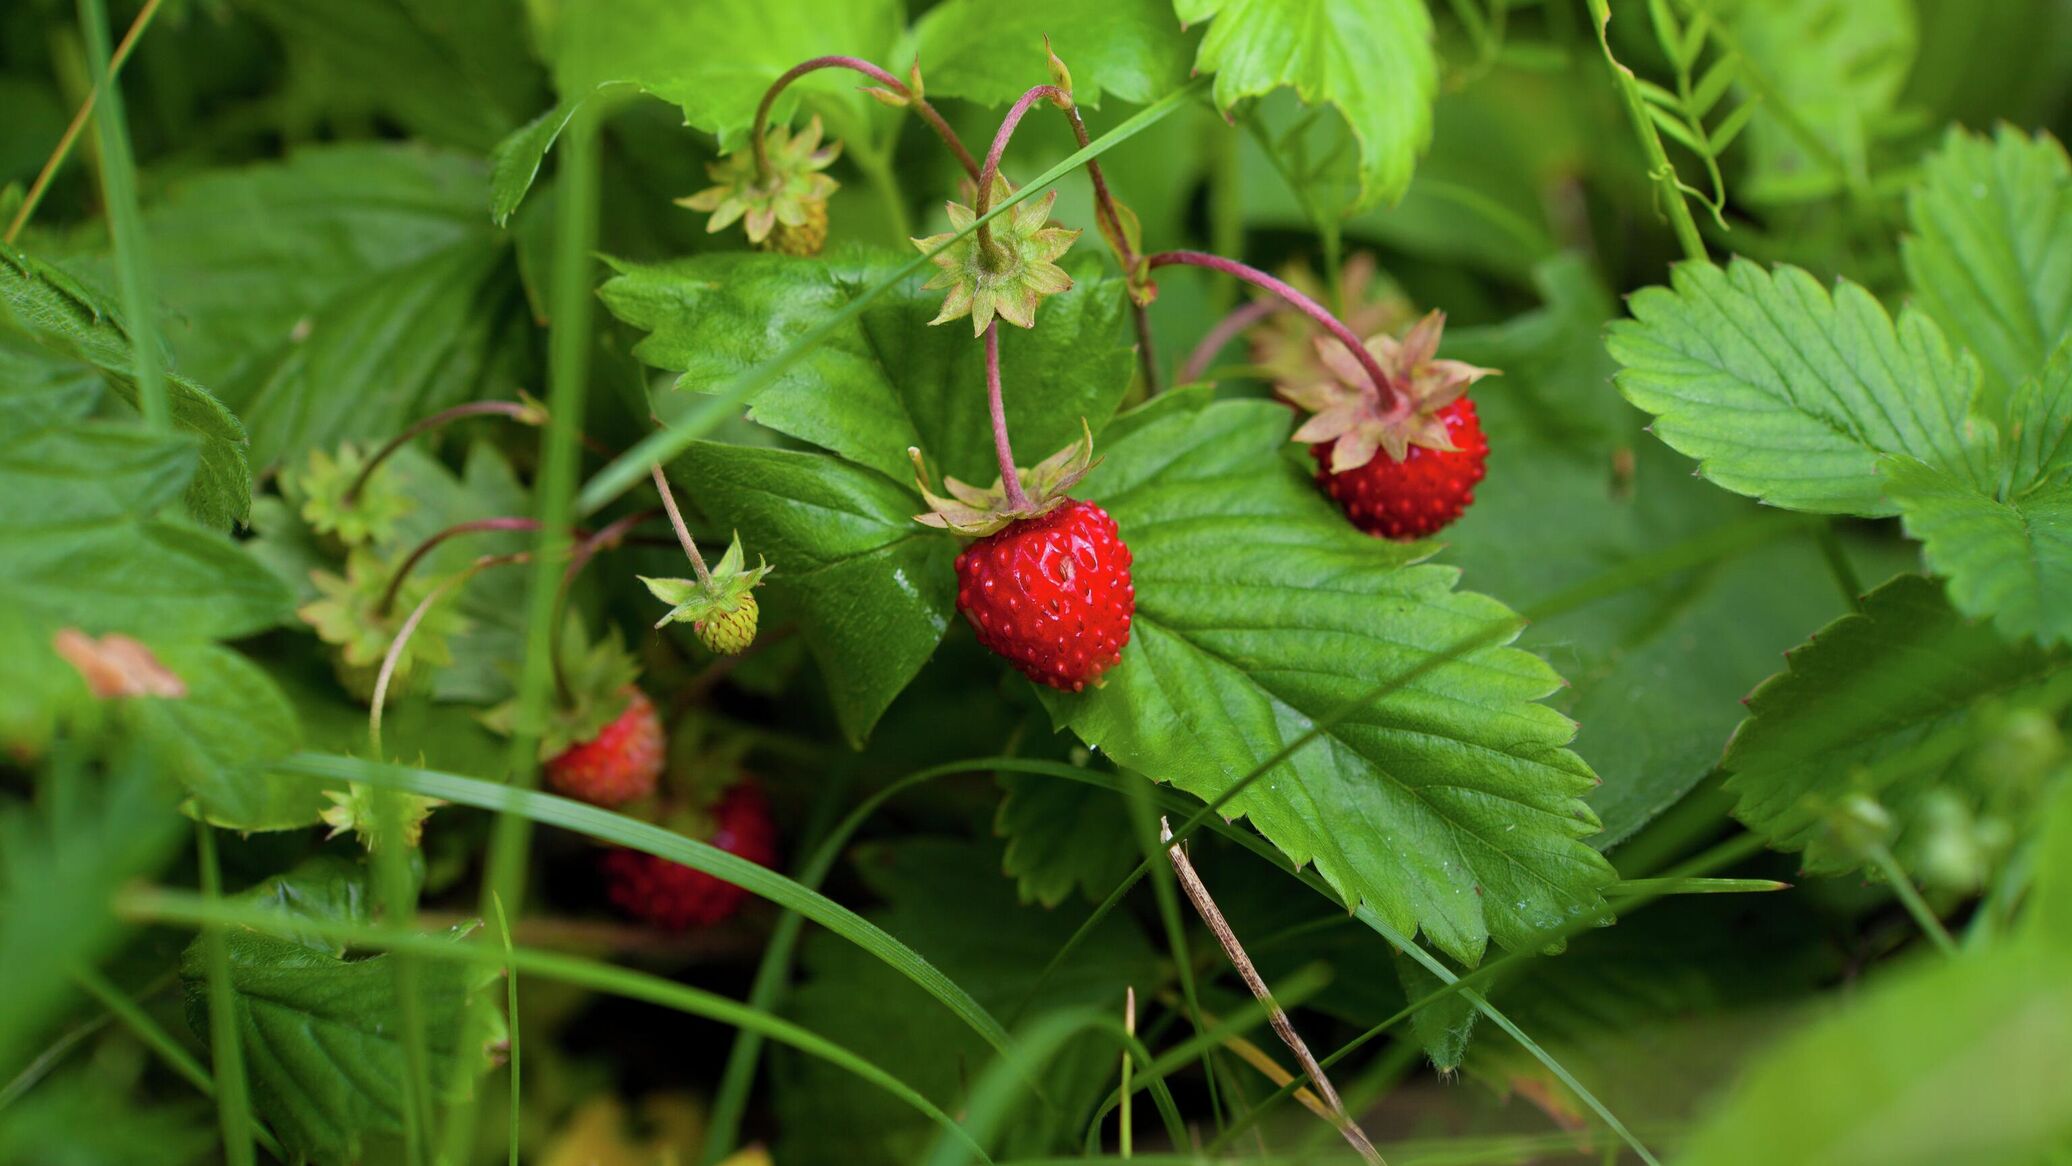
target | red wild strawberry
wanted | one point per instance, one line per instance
(1052, 594)
(1418, 495)
(674, 896)
(1401, 464)
(618, 765)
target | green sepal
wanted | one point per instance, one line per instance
(976, 512)
(319, 492)
(598, 678)
(1012, 285)
(348, 617)
(694, 602)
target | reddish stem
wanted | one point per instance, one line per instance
(1010, 478)
(1398, 400)
(1226, 330)
(991, 169)
(443, 417)
(1104, 204)
(928, 113)
(409, 628)
(395, 583)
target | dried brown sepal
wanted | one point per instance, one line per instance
(1348, 412)
(971, 510)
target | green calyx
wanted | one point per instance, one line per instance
(320, 487)
(793, 193)
(721, 609)
(1011, 278)
(978, 512)
(358, 808)
(349, 617)
(597, 680)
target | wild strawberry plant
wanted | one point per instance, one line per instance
(1149, 526)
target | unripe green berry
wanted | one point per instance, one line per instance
(730, 632)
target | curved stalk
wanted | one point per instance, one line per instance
(394, 654)
(1229, 328)
(443, 417)
(1010, 478)
(417, 554)
(928, 112)
(1398, 400)
(983, 201)
(579, 557)
(683, 533)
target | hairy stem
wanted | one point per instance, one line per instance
(443, 417)
(1398, 400)
(928, 112)
(683, 533)
(1010, 478)
(63, 149)
(1105, 206)
(409, 564)
(991, 169)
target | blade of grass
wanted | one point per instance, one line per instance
(399, 901)
(233, 1107)
(606, 826)
(160, 905)
(503, 932)
(70, 137)
(125, 223)
(661, 446)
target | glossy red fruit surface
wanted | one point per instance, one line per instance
(1419, 495)
(673, 896)
(617, 766)
(1051, 594)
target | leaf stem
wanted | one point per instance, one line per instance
(417, 554)
(1659, 167)
(63, 149)
(683, 533)
(1398, 400)
(1010, 478)
(512, 409)
(928, 112)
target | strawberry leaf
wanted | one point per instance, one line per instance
(1990, 254)
(1865, 708)
(990, 52)
(66, 317)
(887, 380)
(1450, 805)
(1790, 395)
(715, 58)
(327, 1063)
(1372, 59)
(871, 588)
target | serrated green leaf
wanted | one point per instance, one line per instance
(458, 72)
(1990, 249)
(714, 59)
(2007, 560)
(1830, 70)
(218, 739)
(1372, 59)
(339, 294)
(1855, 700)
(1791, 396)
(1955, 1061)
(1450, 805)
(1062, 837)
(1575, 490)
(66, 317)
(887, 381)
(515, 161)
(872, 589)
(991, 53)
(1443, 1026)
(948, 898)
(321, 1043)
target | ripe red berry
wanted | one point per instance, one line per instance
(674, 896)
(618, 765)
(1052, 594)
(1417, 496)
